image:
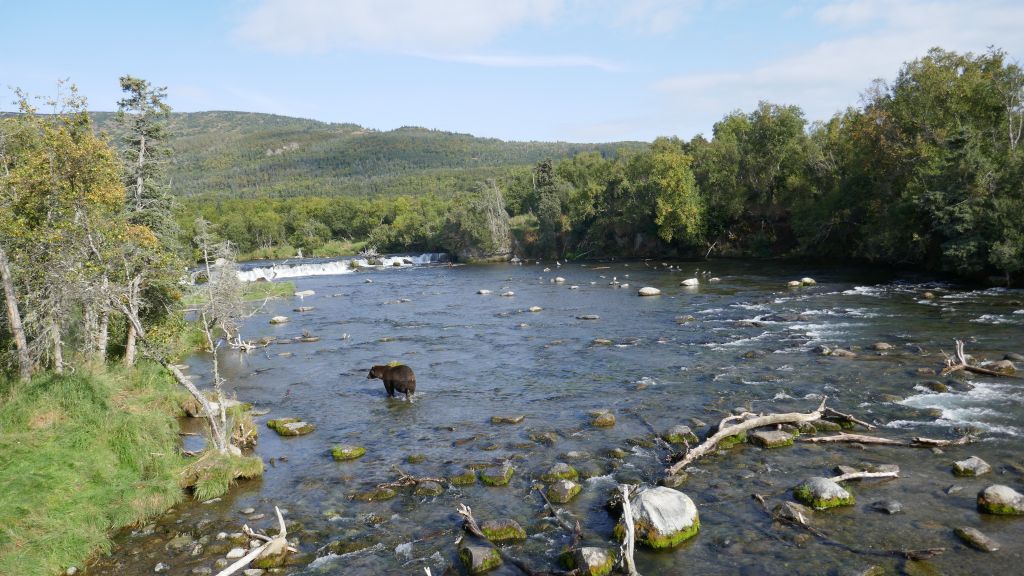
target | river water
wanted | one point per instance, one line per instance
(750, 343)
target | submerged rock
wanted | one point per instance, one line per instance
(560, 471)
(535, 309)
(590, 561)
(479, 559)
(793, 283)
(887, 506)
(503, 530)
(771, 438)
(588, 317)
(975, 539)
(822, 493)
(602, 418)
(680, 434)
(563, 491)
(1003, 366)
(842, 353)
(662, 518)
(463, 477)
(428, 488)
(1000, 499)
(483, 292)
(882, 347)
(514, 419)
(972, 466)
(497, 475)
(797, 513)
(290, 426)
(376, 494)
(303, 309)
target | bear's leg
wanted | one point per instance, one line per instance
(390, 387)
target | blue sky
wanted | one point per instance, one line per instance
(576, 70)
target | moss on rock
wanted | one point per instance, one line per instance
(344, 452)
(290, 426)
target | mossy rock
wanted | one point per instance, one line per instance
(562, 491)
(513, 419)
(730, 441)
(416, 458)
(589, 561)
(680, 434)
(497, 475)
(822, 494)
(1001, 500)
(662, 518)
(827, 426)
(560, 471)
(464, 477)
(771, 438)
(647, 535)
(290, 426)
(479, 559)
(674, 480)
(274, 556)
(603, 419)
(503, 530)
(377, 494)
(428, 488)
(344, 452)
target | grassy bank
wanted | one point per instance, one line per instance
(251, 292)
(80, 456)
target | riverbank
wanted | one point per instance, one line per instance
(82, 455)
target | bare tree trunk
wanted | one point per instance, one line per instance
(103, 336)
(14, 318)
(138, 179)
(133, 312)
(58, 346)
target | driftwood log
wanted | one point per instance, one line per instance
(749, 423)
(916, 442)
(862, 475)
(959, 362)
(629, 542)
(278, 541)
(473, 528)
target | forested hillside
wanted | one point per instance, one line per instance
(245, 155)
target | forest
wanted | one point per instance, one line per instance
(925, 173)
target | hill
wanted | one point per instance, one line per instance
(245, 155)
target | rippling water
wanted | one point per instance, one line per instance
(750, 343)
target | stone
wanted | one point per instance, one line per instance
(975, 539)
(1003, 366)
(416, 458)
(648, 291)
(547, 438)
(842, 353)
(560, 471)
(601, 342)
(254, 572)
(674, 480)
(483, 292)
(428, 488)
(662, 518)
(680, 434)
(887, 506)
(303, 309)
(590, 561)
(882, 347)
(463, 477)
(375, 495)
(563, 491)
(161, 567)
(248, 511)
(290, 426)
(793, 283)
(205, 571)
(771, 438)
(71, 571)
(928, 296)
(497, 475)
(936, 386)
(821, 493)
(235, 553)
(479, 559)
(514, 419)
(714, 280)
(273, 556)
(344, 452)
(602, 419)
(794, 512)
(304, 293)
(1000, 499)
(508, 294)
(690, 282)
(890, 398)
(535, 308)
(559, 280)
(1013, 357)
(588, 317)
(278, 319)
(925, 372)
(827, 426)
(807, 281)
(972, 466)
(503, 530)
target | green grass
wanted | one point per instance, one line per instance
(251, 292)
(213, 474)
(82, 455)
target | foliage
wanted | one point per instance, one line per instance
(80, 456)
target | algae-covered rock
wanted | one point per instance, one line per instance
(503, 530)
(343, 452)
(513, 419)
(376, 494)
(590, 561)
(797, 513)
(290, 426)
(822, 493)
(674, 480)
(428, 488)
(662, 518)
(730, 441)
(497, 475)
(771, 438)
(563, 491)
(463, 477)
(972, 466)
(560, 471)
(273, 556)
(1000, 499)
(479, 559)
(975, 539)
(827, 426)
(680, 434)
(416, 458)
(602, 418)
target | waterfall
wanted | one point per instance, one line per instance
(335, 267)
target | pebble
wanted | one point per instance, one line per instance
(887, 506)
(235, 553)
(975, 539)
(247, 511)
(161, 567)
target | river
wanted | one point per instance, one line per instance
(749, 342)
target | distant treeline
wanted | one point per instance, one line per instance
(928, 172)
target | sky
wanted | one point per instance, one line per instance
(572, 70)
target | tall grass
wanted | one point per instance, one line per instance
(82, 455)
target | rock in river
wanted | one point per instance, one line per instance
(513, 419)
(602, 418)
(590, 561)
(560, 471)
(822, 493)
(278, 319)
(347, 452)
(972, 466)
(771, 438)
(497, 475)
(648, 291)
(680, 434)
(999, 499)
(428, 488)
(662, 517)
(290, 426)
(503, 530)
(479, 559)
(563, 491)
(975, 539)
(690, 282)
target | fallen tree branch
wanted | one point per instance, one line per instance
(961, 363)
(757, 422)
(275, 541)
(406, 480)
(244, 560)
(473, 528)
(862, 475)
(628, 543)
(922, 554)
(916, 442)
(848, 418)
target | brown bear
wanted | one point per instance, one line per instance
(396, 379)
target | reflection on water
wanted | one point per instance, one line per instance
(691, 353)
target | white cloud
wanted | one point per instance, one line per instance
(402, 26)
(831, 75)
(520, 61)
(655, 16)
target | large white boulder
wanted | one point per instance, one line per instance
(662, 517)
